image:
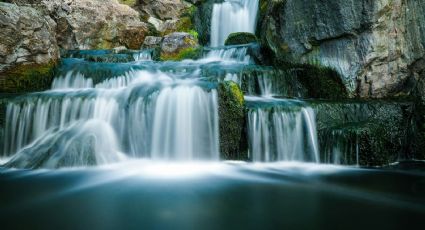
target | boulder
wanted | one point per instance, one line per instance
(178, 46)
(372, 44)
(95, 24)
(28, 49)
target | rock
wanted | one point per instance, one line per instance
(152, 42)
(320, 82)
(161, 9)
(95, 24)
(202, 20)
(240, 38)
(233, 145)
(178, 46)
(372, 44)
(167, 16)
(28, 49)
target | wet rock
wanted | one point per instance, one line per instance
(372, 44)
(240, 38)
(233, 144)
(370, 133)
(202, 20)
(28, 49)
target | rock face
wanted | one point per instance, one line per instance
(28, 48)
(372, 44)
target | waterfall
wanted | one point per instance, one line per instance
(145, 114)
(281, 130)
(232, 16)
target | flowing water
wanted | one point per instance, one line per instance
(232, 16)
(151, 129)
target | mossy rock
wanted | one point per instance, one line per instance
(380, 131)
(240, 38)
(320, 82)
(128, 2)
(233, 144)
(27, 78)
(187, 53)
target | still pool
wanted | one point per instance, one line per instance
(227, 195)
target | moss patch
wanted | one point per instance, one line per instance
(232, 122)
(27, 78)
(320, 82)
(128, 2)
(187, 53)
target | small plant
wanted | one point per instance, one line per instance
(194, 33)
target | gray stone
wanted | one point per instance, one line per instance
(94, 24)
(152, 42)
(372, 44)
(176, 42)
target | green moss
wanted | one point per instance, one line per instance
(320, 81)
(128, 2)
(240, 38)
(28, 78)
(232, 122)
(237, 93)
(188, 53)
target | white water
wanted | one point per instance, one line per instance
(232, 16)
(149, 114)
(228, 55)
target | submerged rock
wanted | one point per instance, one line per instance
(28, 49)
(81, 144)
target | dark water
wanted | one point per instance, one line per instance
(148, 195)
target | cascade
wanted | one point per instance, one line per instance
(281, 130)
(107, 105)
(232, 16)
(148, 114)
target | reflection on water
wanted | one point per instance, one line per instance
(154, 195)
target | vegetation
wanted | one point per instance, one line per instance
(128, 2)
(232, 114)
(28, 78)
(187, 53)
